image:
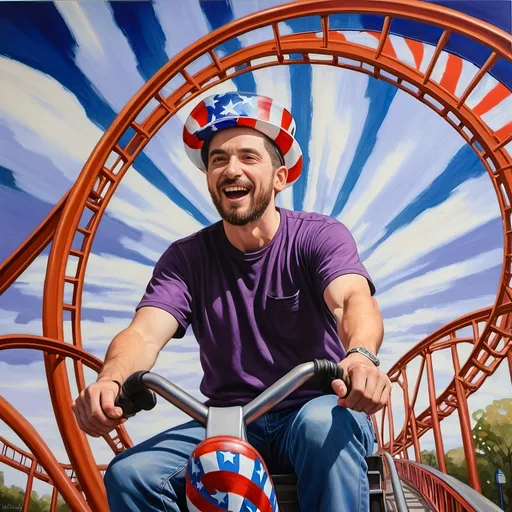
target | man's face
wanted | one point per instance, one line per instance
(241, 178)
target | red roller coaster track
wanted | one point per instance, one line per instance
(73, 223)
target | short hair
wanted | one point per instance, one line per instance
(276, 157)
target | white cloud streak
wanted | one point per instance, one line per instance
(340, 109)
(439, 280)
(472, 204)
(106, 58)
(103, 52)
(405, 160)
(425, 316)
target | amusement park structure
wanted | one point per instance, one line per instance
(72, 224)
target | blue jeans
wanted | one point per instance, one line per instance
(324, 444)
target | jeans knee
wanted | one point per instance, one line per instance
(126, 471)
(115, 475)
(313, 423)
(323, 422)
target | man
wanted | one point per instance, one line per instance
(265, 289)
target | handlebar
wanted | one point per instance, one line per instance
(138, 391)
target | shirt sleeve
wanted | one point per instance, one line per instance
(334, 253)
(169, 289)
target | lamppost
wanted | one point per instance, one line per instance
(499, 477)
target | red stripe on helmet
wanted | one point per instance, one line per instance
(225, 444)
(191, 140)
(264, 106)
(200, 114)
(284, 142)
(286, 120)
(198, 500)
(228, 481)
(294, 172)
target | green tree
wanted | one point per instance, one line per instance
(492, 435)
(456, 464)
(429, 458)
(14, 496)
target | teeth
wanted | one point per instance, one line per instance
(235, 189)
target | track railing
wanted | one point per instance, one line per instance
(442, 493)
(398, 492)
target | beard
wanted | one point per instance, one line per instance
(240, 215)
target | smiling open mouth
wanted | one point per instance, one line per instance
(235, 192)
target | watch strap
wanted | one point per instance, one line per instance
(365, 352)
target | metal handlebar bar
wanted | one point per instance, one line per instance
(138, 391)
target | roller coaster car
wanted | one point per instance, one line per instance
(226, 426)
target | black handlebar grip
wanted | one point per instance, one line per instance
(135, 396)
(326, 371)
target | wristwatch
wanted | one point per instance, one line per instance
(365, 352)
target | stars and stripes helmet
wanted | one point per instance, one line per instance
(231, 109)
(227, 473)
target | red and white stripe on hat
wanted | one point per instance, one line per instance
(243, 109)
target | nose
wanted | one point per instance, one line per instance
(233, 169)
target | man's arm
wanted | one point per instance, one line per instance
(359, 324)
(135, 348)
(357, 314)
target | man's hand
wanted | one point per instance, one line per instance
(370, 388)
(95, 411)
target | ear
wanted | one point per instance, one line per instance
(280, 177)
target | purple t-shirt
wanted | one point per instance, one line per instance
(256, 315)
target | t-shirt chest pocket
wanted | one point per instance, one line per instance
(285, 314)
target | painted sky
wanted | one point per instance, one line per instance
(414, 194)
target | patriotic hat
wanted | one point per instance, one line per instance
(231, 109)
(227, 473)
